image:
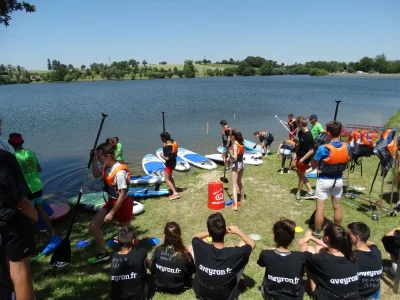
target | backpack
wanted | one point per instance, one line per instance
(321, 139)
(270, 138)
(311, 221)
(385, 149)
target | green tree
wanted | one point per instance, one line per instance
(70, 67)
(229, 72)
(49, 64)
(210, 72)
(266, 69)
(135, 69)
(68, 78)
(169, 74)
(180, 73)
(381, 64)
(27, 75)
(188, 69)
(366, 64)
(144, 62)
(175, 71)
(83, 67)
(8, 6)
(60, 72)
(24, 80)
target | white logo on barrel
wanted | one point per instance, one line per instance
(218, 196)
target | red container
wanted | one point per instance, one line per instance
(216, 195)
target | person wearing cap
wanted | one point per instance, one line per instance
(316, 127)
(30, 168)
(17, 240)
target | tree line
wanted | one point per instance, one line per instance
(134, 69)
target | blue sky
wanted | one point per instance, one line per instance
(86, 31)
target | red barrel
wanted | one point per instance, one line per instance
(216, 195)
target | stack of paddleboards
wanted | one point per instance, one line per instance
(249, 157)
(196, 160)
(153, 166)
(249, 145)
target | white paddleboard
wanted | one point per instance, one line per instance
(255, 153)
(249, 145)
(145, 179)
(152, 165)
(181, 164)
(249, 160)
(196, 160)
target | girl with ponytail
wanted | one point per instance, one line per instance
(331, 264)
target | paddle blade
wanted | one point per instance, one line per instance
(224, 179)
(62, 256)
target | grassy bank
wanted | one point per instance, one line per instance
(269, 197)
(394, 121)
(372, 75)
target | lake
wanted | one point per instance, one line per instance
(59, 121)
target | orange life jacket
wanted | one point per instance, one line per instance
(289, 144)
(109, 180)
(175, 147)
(240, 151)
(292, 125)
(224, 137)
(336, 163)
(385, 149)
(368, 138)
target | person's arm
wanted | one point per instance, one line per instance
(391, 232)
(147, 263)
(121, 196)
(303, 243)
(26, 208)
(168, 151)
(314, 164)
(247, 240)
(308, 154)
(369, 243)
(202, 235)
(278, 154)
(95, 168)
(229, 137)
(234, 152)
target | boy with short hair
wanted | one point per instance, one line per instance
(332, 160)
(226, 141)
(265, 138)
(30, 168)
(219, 268)
(286, 150)
(128, 268)
(292, 123)
(368, 263)
(304, 153)
(316, 127)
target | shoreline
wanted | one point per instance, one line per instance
(374, 75)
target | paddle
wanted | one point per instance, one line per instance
(337, 107)
(163, 121)
(224, 179)
(62, 255)
(280, 121)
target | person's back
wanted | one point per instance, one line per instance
(119, 153)
(28, 162)
(128, 268)
(219, 268)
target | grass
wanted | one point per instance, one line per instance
(394, 121)
(269, 197)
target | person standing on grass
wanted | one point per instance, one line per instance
(169, 154)
(172, 264)
(332, 160)
(16, 232)
(368, 263)
(119, 153)
(236, 152)
(316, 127)
(30, 168)
(283, 268)
(292, 123)
(226, 142)
(219, 268)
(304, 153)
(265, 138)
(286, 150)
(119, 206)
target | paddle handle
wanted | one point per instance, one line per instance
(336, 110)
(37, 257)
(163, 121)
(287, 129)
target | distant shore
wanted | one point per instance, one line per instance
(373, 75)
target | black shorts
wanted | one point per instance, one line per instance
(17, 236)
(35, 195)
(6, 286)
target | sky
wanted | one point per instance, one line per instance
(86, 31)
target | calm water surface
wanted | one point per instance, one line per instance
(59, 121)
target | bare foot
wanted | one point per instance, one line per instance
(243, 200)
(234, 208)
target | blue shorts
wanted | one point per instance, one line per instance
(224, 149)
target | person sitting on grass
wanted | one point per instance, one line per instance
(391, 242)
(283, 268)
(219, 268)
(265, 138)
(129, 278)
(286, 150)
(331, 264)
(368, 263)
(172, 264)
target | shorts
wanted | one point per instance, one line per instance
(286, 152)
(36, 197)
(224, 149)
(301, 167)
(17, 238)
(238, 165)
(168, 169)
(325, 188)
(124, 213)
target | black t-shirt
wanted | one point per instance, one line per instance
(336, 276)
(292, 125)
(283, 273)
(128, 275)
(392, 243)
(369, 268)
(171, 270)
(218, 270)
(167, 152)
(225, 134)
(306, 143)
(12, 186)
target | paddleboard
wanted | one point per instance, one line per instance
(152, 165)
(55, 212)
(181, 164)
(249, 160)
(249, 145)
(255, 154)
(196, 160)
(146, 179)
(95, 201)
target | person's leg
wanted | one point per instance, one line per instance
(322, 196)
(240, 185)
(21, 277)
(283, 162)
(45, 217)
(95, 228)
(307, 184)
(235, 176)
(169, 181)
(301, 176)
(224, 156)
(337, 210)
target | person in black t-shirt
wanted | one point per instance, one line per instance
(283, 268)
(331, 264)
(172, 264)
(219, 268)
(226, 141)
(128, 268)
(368, 263)
(304, 153)
(391, 242)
